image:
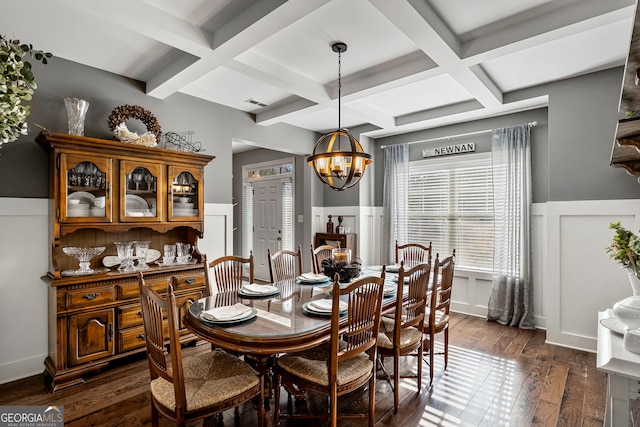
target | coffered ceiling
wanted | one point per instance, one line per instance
(410, 64)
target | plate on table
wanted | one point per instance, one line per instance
(614, 324)
(253, 313)
(83, 196)
(318, 308)
(312, 278)
(393, 268)
(389, 290)
(253, 291)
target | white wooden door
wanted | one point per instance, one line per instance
(267, 222)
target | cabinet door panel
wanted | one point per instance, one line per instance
(91, 336)
(85, 189)
(140, 198)
(185, 201)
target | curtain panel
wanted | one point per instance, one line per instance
(395, 197)
(511, 300)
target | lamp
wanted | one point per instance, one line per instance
(337, 168)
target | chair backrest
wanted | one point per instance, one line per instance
(318, 255)
(413, 253)
(228, 272)
(444, 270)
(410, 310)
(360, 332)
(284, 264)
(161, 363)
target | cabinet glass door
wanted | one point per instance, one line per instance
(185, 202)
(139, 189)
(85, 189)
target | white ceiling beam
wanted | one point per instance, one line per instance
(277, 113)
(156, 25)
(372, 115)
(283, 78)
(425, 28)
(409, 69)
(237, 36)
(465, 116)
(548, 28)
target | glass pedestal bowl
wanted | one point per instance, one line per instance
(84, 256)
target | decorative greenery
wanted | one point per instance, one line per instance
(625, 247)
(17, 84)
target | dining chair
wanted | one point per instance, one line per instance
(345, 363)
(284, 264)
(413, 253)
(318, 255)
(402, 335)
(228, 273)
(437, 320)
(196, 387)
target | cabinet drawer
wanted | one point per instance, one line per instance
(130, 290)
(183, 282)
(129, 315)
(133, 338)
(189, 281)
(90, 297)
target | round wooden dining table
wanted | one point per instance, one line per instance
(280, 325)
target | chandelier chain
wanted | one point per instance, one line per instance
(339, 85)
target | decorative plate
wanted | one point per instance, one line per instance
(83, 196)
(136, 203)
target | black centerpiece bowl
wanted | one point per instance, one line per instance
(346, 272)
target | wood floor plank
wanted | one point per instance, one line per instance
(497, 375)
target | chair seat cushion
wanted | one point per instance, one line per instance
(408, 336)
(311, 365)
(208, 379)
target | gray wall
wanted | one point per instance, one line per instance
(571, 146)
(23, 164)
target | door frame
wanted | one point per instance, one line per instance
(279, 169)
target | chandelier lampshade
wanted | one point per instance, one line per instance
(338, 158)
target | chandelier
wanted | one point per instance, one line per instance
(339, 169)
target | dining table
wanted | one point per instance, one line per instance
(281, 322)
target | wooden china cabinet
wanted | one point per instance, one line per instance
(101, 192)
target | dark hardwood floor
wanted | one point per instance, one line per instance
(497, 375)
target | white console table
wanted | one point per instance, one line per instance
(623, 377)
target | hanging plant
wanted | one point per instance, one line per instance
(17, 84)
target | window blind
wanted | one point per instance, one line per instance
(287, 215)
(247, 230)
(451, 205)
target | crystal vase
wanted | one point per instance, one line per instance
(76, 113)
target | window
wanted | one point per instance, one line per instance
(247, 215)
(287, 215)
(451, 205)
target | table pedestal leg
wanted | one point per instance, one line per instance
(264, 364)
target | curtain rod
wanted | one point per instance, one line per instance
(440, 138)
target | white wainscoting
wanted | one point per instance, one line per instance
(24, 258)
(573, 277)
(217, 239)
(578, 278)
